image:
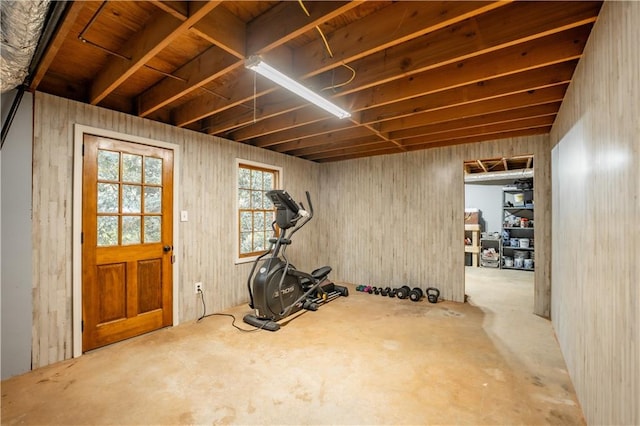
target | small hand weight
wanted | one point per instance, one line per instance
(433, 294)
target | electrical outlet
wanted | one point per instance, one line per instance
(197, 287)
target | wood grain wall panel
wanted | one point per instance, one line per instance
(596, 211)
(398, 219)
(206, 247)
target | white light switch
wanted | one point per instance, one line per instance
(184, 216)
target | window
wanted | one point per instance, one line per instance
(255, 210)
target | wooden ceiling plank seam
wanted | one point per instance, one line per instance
(388, 27)
(516, 83)
(439, 115)
(344, 151)
(503, 116)
(144, 46)
(317, 149)
(550, 50)
(536, 79)
(503, 103)
(562, 15)
(459, 12)
(484, 129)
(476, 139)
(474, 37)
(564, 47)
(330, 137)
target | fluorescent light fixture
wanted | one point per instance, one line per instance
(256, 64)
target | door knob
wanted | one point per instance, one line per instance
(166, 249)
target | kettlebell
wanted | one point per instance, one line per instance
(433, 294)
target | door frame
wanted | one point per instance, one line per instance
(78, 137)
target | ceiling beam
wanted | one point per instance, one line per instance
(550, 50)
(160, 31)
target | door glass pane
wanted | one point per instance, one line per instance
(131, 199)
(130, 230)
(152, 229)
(108, 198)
(152, 199)
(153, 170)
(131, 168)
(245, 221)
(107, 230)
(244, 178)
(108, 165)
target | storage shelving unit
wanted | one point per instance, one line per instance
(474, 248)
(517, 209)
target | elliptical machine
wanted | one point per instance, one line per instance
(279, 289)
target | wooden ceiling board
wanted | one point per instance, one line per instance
(425, 73)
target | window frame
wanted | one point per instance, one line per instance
(277, 185)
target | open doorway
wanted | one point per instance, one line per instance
(499, 222)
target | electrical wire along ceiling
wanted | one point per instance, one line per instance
(409, 75)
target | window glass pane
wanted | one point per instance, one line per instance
(258, 221)
(258, 241)
(269, 234)
(245, 242)
(107, 231)
(244, 198)
(108, 197)
(153, 170)
(268, 204)
(245, 221)
(152, 199)
(244, 178)
(268, 181)
(130, 230)
(131, 168)
(108, 165)
(256, 179)
(256, 199)
(268, 220)
(131, 199)
(152, 228)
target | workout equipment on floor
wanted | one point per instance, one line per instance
(433, 294)
(278, 289)
(416, 294)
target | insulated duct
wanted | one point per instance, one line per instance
(504, 175)
(21, 23)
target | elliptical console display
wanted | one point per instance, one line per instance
(278, 289)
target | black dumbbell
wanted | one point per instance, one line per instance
(433, 294)
(403, 292)
(376, 290)
(392, 292)
(416, 294)
(384, 292)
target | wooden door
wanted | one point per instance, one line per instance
(127, 247)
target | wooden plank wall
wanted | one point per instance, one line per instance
(596, 221)
(398, 219)
(206, 245)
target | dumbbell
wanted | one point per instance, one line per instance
(433, 294)
(416, 294)
(360, 288)
(403, 292)
(368, 289)
(376, 290)
(392, 292)
(384, 291)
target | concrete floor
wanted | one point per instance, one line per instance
(364, 359)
